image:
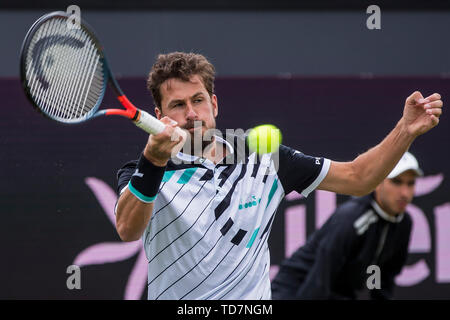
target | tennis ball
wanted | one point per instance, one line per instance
(265, 138)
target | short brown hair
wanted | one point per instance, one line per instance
(182, 66)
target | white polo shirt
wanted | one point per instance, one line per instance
(207, 238)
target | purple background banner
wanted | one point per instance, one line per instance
(58, 181)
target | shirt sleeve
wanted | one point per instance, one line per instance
(124, 175)
(301, 172)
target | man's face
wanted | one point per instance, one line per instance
(187, 102)
(393, 195)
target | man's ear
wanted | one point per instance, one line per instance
(215, 105)
(158, 113)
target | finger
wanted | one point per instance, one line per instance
(414, 98)
(176, 135)
(165, 134)
(176, 140)
(434, 104)
(433, 97)
(435, 111)
(168, 121)
(434, 120)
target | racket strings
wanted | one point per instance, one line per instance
(45, 97)
(64, 71)
(74, 93)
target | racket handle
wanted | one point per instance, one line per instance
(149, 123)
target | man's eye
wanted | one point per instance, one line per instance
(198, 100)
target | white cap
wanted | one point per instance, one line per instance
(407, 162)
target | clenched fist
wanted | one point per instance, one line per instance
(162, 146)
(421, 114)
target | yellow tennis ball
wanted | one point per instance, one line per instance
(265, 138)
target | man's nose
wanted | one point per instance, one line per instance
(407, 191)
(190, 112)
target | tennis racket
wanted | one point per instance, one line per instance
(64, 73)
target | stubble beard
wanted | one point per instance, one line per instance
(200, 141)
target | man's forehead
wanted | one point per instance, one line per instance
(174, 85)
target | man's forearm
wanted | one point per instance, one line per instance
(362, 175)
(373, 166)
(135, 205)
(132, 216)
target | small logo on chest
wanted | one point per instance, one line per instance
(252, 202)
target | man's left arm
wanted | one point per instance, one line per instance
(360, 176)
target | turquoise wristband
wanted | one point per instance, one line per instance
(139, 195)
(145, 181)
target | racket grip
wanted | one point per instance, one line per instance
(152, 125)
(148, 123)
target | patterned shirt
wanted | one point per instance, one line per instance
(207, 237)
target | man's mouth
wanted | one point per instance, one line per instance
(192, 129)
(402, 203)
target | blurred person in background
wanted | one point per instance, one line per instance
(365, 231)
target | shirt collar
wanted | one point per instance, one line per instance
(386, 216)
(190, 158)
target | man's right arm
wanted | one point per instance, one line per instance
(132, 216)
(135, 204)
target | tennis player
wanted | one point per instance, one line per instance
(205, 218)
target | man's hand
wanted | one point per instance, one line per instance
(133, 215)
(161, 147)
(364, 173)
(421, 114)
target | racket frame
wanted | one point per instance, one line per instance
(131, 111)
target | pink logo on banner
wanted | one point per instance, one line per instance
(420, 241)
(442, 224)
(108, 252)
